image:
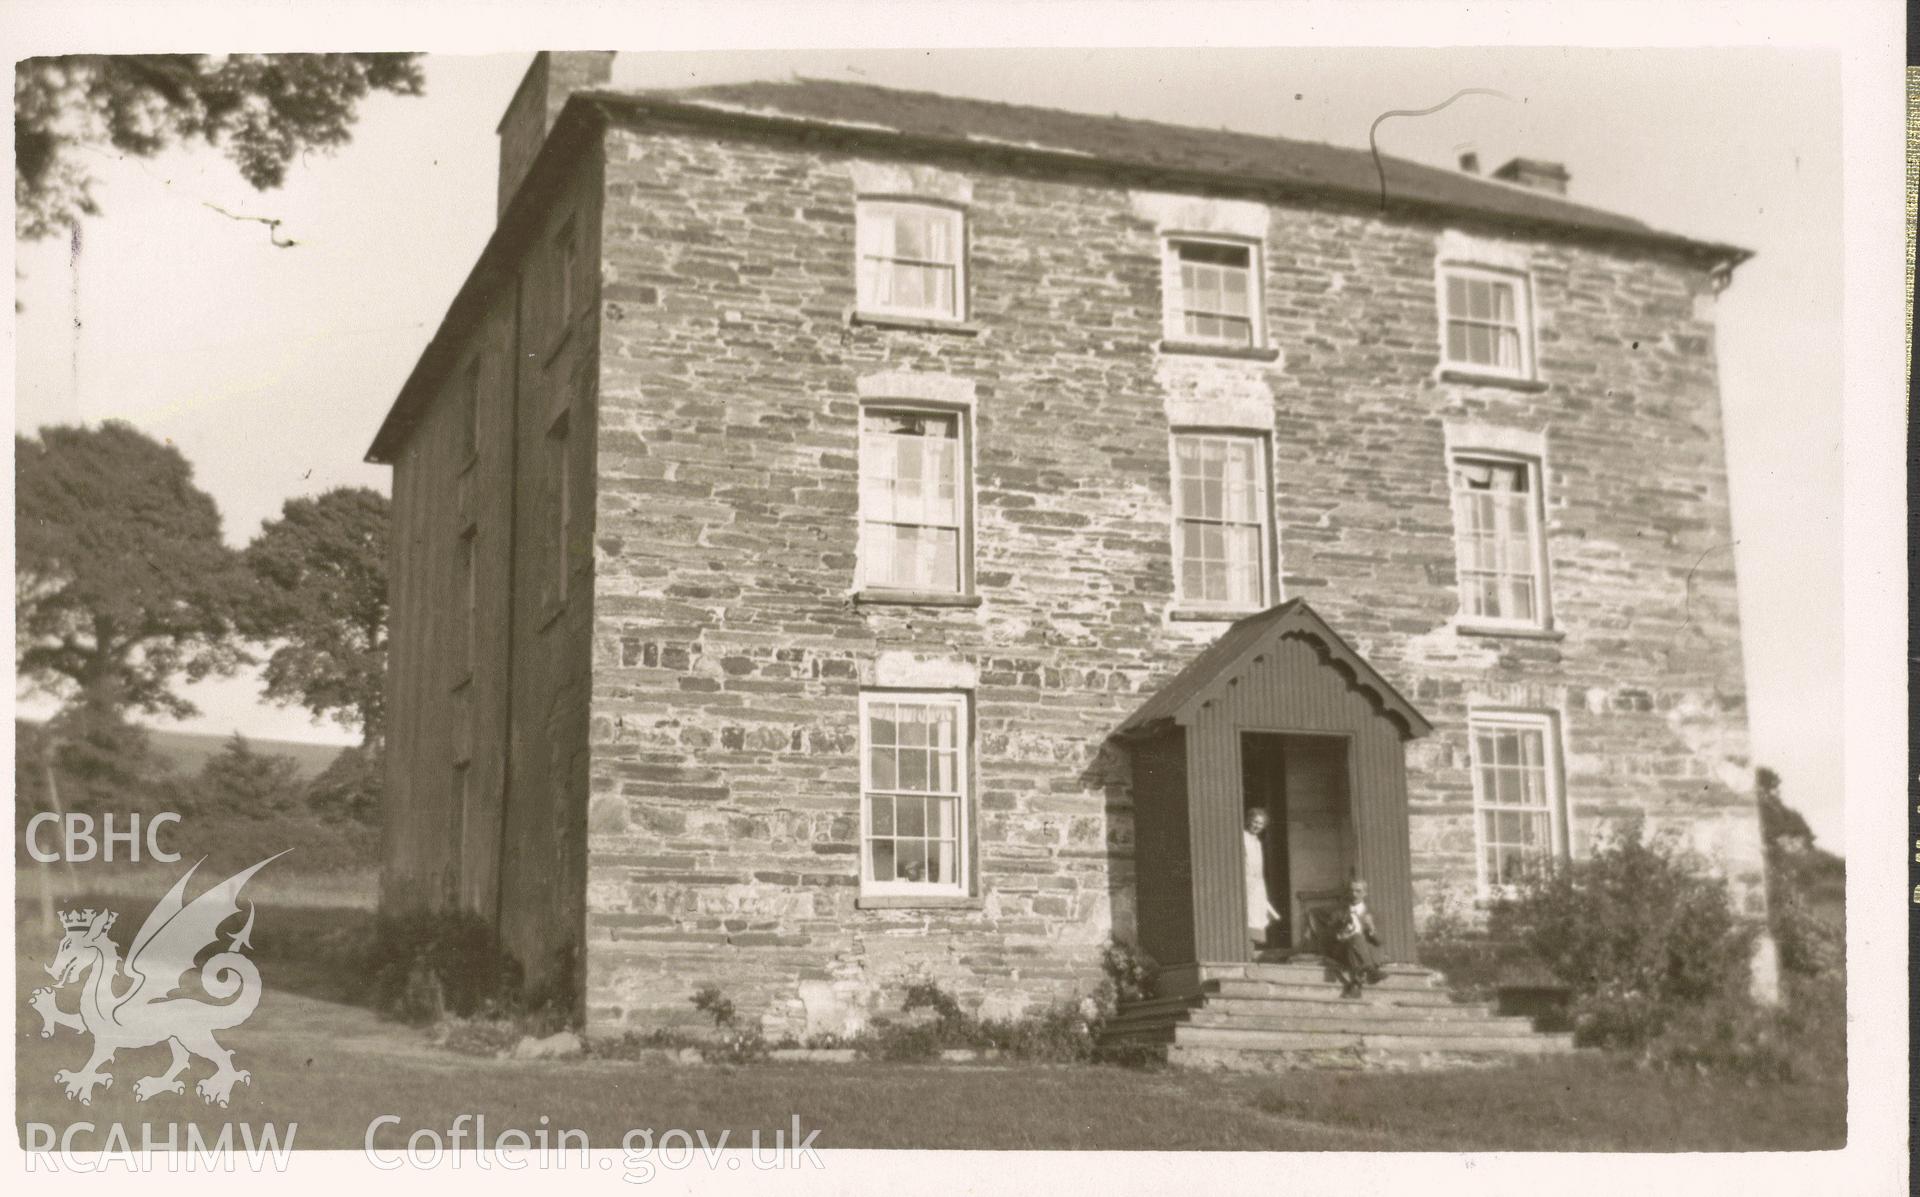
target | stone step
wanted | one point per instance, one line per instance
(1159, 1006)
(1353, 1022)
(1350, 1059)
(1304, 976)
(1365, 1006)
(1495, 1028)
(1417, 996)
(1295, 1010)
(1395, 976)
(1256, 1040)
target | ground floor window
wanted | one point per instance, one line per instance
(915, 793)
(1519, 810)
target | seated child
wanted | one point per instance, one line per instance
(1356, 945)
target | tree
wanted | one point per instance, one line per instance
(122, 584)
(264, 109)
(1781, 826)
(238, 782)
(320, 593)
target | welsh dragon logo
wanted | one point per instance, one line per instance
(142, 1009)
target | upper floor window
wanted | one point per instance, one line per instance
(1486, 321)
(1221, 520)
(1217, 297)
(1498, 544)
(1520, 812)
(915, 806)
(913, 500)
(912, 259)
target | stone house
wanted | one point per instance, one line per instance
(846, 535)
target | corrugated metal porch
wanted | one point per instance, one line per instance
(1279, 712)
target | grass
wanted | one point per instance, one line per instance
(332, 1066)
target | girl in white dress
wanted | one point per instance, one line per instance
(1260, 911)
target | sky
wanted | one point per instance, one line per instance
(271, 368)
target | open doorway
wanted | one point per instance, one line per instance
(1301, 782)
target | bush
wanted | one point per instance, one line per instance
(1449, 918)
(1132, 975)
(349, 789)
(708, 1000)
(1639, 932)
(1060, 1034)
(1809, 946)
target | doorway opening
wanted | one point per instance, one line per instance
(1301, 781)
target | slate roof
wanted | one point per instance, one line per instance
(1241, 159)
(1175, 699)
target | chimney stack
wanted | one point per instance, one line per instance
(1470, 161)
(1531, 172)
(534, 107)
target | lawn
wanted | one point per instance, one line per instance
(333, 1067)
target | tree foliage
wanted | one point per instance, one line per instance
(320, 593)
(1802, 880)
(122, 584)
(263, 109)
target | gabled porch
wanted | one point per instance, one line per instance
(1282, 714)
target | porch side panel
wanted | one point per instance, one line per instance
(1378, 805)
(1163, 870)
(1214, 818)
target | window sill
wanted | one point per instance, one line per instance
(560, 343)
(960, 328)
(553, 615)
(919, 902)
(1207, 615)
(461, 683)
(1511, 633)
(913, 598)
(1204, 349)
(1532, 386)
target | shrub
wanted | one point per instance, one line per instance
(1449, 918)
(1132, 975)
(708, 1000)
(735, 1044)
(1809, 946)
(1638, 931)
(349, 789)
(1060, 1034)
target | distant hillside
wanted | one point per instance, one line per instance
(187, 751)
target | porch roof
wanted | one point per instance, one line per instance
(1247, 638)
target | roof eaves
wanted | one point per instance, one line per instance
(1716, 255)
